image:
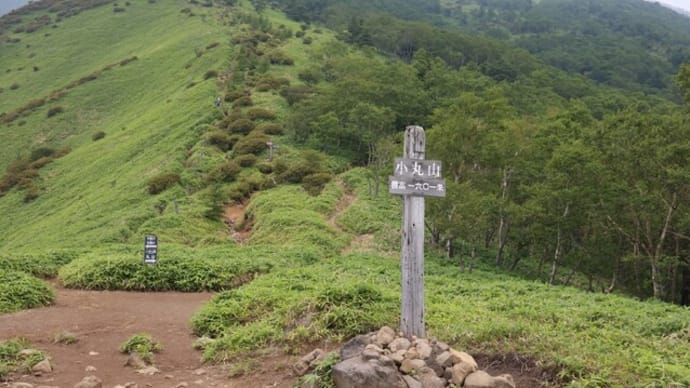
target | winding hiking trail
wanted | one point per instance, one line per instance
(102, 320)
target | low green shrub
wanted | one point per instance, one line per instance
(43, 265)
(265, 167)
(314, 183)
(161, 182)
(243, 101)
(183, 272)
(98, 136)
(18, 355)
(144, 345)
(210, 74)
(296, 171)
(310, 76)
(241, 126)
(232, 95)
(270, 129)
(278, 57)
(295, 94)
(254, 143)
(260, 114)
(19, 291)
(222, 140)
(272, 83)
(246, 160)
(55, 111)
(226, 172)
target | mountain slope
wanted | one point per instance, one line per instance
(145, 107)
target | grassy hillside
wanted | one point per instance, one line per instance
(147, 108)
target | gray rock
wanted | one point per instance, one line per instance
(314, 355)
(21, 385)
(385, 336)
(90, 368)
(412, 382)
(42, 367)
(504, 381)
(398, 356)
(148, 371)
(423, 349)
(305, 363)
(412, 353)
(201, 371)
(89, 382)
(355, 372)
(408, 365)
(300, 368)
(135, 361)
(433, 364)
(463, 357)
(479, 379)
(400, 343)
(440, 347)
(444, 360)
(354, 347)
(27, 352)
(182, 385)
(459, 372)
(131, 384)
(429, 379)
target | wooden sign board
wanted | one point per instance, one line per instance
(151, 249)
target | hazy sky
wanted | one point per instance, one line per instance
(684, 4)
(8, 5)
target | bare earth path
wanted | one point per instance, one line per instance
(102, 320)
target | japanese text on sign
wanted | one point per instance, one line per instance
(421, 187)
(417, 168)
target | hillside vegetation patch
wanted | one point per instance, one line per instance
(175, 273)
(19, 291)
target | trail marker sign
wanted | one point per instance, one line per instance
(151, 249)
(414, 178)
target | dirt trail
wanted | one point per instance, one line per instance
(102, 320)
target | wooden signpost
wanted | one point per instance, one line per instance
(414, 178)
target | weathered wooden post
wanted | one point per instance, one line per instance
(414, 178)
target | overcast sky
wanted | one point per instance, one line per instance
(684, 4)
(8, 5)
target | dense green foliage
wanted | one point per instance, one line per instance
(12, 358)
(43, 265)
(19, 291)
(631, 44)
(177, 269)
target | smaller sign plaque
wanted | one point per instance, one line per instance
(421, 187)
(151, 249)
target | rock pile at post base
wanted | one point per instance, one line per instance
(386, 360)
